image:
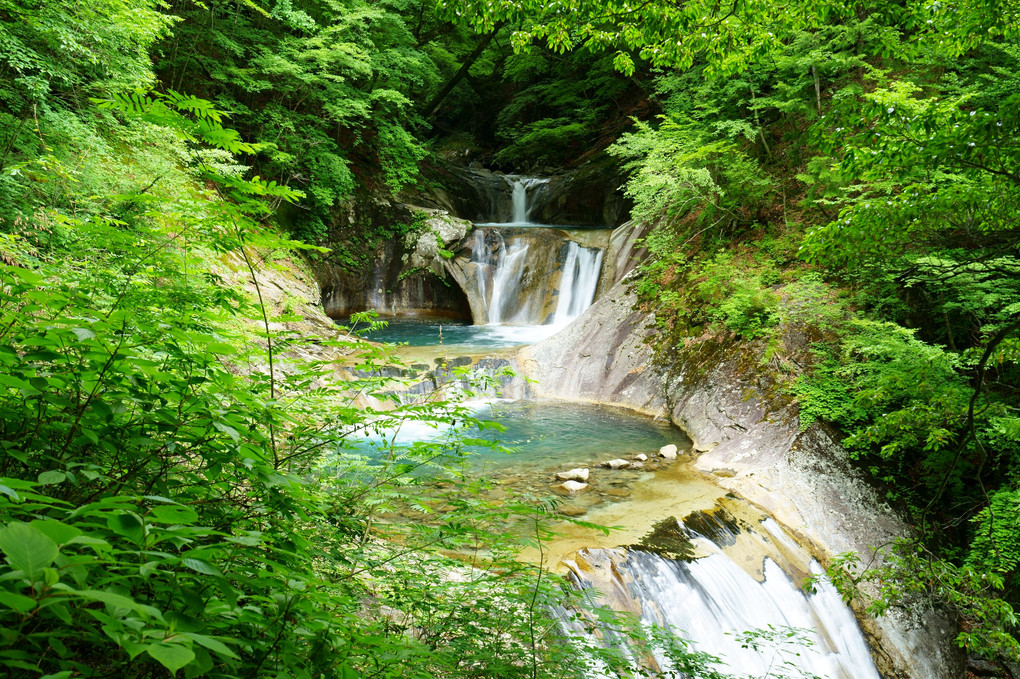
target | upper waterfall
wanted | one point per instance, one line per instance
(523, 191)
(525, 274)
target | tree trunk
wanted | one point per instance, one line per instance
(433, 106)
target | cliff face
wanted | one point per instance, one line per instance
(405, 275)
(589, 195)
(746, 433)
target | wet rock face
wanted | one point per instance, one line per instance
(406, 276)
(600, 358)
(475, 194)
(590, 195)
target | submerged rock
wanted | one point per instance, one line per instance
(618, 463)
(573, 486)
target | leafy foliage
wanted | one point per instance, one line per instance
(324, 86)
(164, 498)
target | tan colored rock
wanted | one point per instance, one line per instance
(641, 457)
(573, 486)
(669, 452)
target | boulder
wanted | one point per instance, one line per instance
(641, 457)
(573, 486)
(579, 474)
(669, 452)
(425, 246)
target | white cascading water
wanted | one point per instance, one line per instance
(711, 601)
(503, 261)
(481, 256)
(506, 282)
(521, 190)
(578, 283)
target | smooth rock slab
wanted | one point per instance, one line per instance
(579, 474)
(573, 486)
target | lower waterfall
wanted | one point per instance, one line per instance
(712, 601)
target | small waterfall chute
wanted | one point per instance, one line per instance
(523, 191)
(578, 282)
(506, 283)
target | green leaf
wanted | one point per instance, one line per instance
(117, 601)
(128, 525)
(212, 644)
(200, 566)
(220, 348)
(59, 532)
(173, 514)
(17, 383)
(19, 602)
(83, 333)
(51, 477)
(28, 549)
(9, 492)
(229, 431)
(171, 656)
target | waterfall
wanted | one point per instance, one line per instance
(521, 278)
(531, 276)
(523, 190)
(506, 282)
(520, 198)
(521, 273)
(712, 600)
(482, 258)
(578, 282)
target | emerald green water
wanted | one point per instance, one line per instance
(454, 334)
(542, 434)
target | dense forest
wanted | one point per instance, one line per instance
(179, 493)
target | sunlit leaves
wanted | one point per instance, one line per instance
(100, 47)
